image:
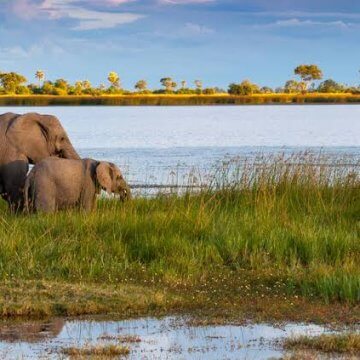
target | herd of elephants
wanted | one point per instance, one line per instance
(60, 179)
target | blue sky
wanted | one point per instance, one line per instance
(217, 41)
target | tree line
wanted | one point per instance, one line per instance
(12, 83)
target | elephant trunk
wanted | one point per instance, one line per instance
(125, 192)
(69, 153)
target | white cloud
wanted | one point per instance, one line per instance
(303, 14)
(71, 9)
(197, 29)
(91, 20)
(294, 22)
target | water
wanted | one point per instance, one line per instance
(166, 338)
(162, 145)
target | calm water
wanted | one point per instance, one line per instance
(166, 338)
(161, 145)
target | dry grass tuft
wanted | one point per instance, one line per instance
(127, 339)
(332, 343)
(102, 351)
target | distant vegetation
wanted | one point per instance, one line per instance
(175, 99)
(12, 83)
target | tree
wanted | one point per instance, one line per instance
(114, 79)
(47, 88)
(292, 86)
(244, 88)
(40, 75)
(168, 83)
(198, 85)
(61, 87)
(78, 88)
(61, 84)
(308, 73)
(266, 90)
(141, 85)
(183, 84)
(86, 84)
(12, 82)
(330, 86)
(209, 91)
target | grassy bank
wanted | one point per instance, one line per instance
(273, 231)
(180, 100)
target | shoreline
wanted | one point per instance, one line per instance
(178, 100)
(44, 299)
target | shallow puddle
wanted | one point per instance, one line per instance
(150, 338)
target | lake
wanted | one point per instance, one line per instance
(162, 145)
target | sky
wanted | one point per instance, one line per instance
(216, 41)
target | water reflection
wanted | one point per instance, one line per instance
(31, 332)
(150, 338)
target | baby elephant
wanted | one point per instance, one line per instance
(55, 184)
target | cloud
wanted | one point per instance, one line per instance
(302, 14)
(70, 9)
(197, 29)
(92, 20)
(25, 9)
(20, 52)
(185, 2)
(294, 22)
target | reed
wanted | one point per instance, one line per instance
(293, 220)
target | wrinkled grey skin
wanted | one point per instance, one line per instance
(28, 139)
(56, 184)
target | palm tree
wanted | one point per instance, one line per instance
(40, 75)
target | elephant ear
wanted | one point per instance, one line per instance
(104, 176)
(29, 133)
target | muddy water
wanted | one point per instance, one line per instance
(166, 338)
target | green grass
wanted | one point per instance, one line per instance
(348, 343)
(274, 223)
(164, 100)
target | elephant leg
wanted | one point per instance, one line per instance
(45, 196)
(14, 176)
(45, 203)
(88, 204)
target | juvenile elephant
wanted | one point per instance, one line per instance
(55, 184)
(28, 139)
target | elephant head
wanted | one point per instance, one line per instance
(39, 136)
(110, 178)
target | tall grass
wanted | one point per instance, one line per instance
(294, 219)
(164, 100)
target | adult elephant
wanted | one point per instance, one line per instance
(25, 139)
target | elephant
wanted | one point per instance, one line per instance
(57, 184)
(27, 139)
